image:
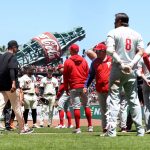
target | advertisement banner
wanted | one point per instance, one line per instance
(49, 44)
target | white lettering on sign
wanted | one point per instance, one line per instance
(96, 111)
(49, 44)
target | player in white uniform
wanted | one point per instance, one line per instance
(126, 48)
(48, 86)
(27, 84)
(145, 74)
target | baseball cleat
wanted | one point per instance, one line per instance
(123, 130)
(147, 132)
(107, 135)
(26, 126)
(60, 126)
(90, 129)
(71, 126)
(35, 126)
(77, 131)
(140, 132)
(29, 131)
(49, 125)
(2, 128)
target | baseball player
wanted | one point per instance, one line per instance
(126, 48)
(75, 74)
(100, 70)
(63, 101)
(48, 88)
(146, 56)
(145, 74)
(27, 84)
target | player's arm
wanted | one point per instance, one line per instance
(146, 57)
(60, 91)
(91, 54)
(140, 72)
(137, 57)
(41, 88)
(13, 79)
(145, 79)
(90, 78)
(65, 76)
(110, 43)
(140, 52)
(21, 96)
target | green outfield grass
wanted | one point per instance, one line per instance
(63, 139)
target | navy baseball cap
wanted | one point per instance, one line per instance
(12, 43)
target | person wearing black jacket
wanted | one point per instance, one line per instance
(9, 84)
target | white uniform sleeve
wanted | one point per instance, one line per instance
(110, 43)
(56, 82)
(42, 83)
(139, 68)
(21, 82)
(140, 43)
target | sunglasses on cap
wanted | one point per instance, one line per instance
(98, 51)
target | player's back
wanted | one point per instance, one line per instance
(127, 42)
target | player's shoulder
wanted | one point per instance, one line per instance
(135, 32)
(67, 63)
(54, 79)
(111, 32)
(43, 79)
(24, 77)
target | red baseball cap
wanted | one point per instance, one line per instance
(99, 47)
(60, 66)
(74, 47)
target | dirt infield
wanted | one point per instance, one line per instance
(83, 122)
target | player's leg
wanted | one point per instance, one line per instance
(112, 102)
(134, 105)
(42, 115)
(34, 113)
(123, 113)
(86, 106)
(146, 96)
(17, 108)
(51, 109)
(68, 112)
(7, 115)
(12, 120)
(75, 97)
(3, 101)
(61, 104)
(102, 103)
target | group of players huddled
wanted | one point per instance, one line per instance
(115, 66)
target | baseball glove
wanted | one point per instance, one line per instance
(44, 101)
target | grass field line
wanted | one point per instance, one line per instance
(50, 133)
